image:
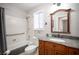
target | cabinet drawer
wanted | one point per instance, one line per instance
(49, 44)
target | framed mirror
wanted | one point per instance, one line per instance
(60, 21)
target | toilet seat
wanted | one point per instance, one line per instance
(30, 47)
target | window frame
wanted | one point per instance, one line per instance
(39, 24)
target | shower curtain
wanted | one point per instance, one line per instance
(3, 46)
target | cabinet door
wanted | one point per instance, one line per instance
(61, 49)
(73, 51)
(41, 48)
(49, 48)
(59, 53)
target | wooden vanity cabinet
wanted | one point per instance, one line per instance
(73, 51)
(51, 48)
(54, 49)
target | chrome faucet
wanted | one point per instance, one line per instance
(58, 35)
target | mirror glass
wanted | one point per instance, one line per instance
(60, 21)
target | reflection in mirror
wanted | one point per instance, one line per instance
(62, 24)
(60, 21)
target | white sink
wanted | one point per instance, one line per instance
(57, 39)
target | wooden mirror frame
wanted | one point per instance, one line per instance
(68, 17)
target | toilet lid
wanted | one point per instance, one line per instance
(30, 47)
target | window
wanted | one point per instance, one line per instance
(38, 21)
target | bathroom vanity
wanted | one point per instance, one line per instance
(50, 47)
(59, 44)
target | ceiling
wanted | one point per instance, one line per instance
(23, 6)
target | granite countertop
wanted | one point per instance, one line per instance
(68, 42)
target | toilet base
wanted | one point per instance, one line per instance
(30, 53)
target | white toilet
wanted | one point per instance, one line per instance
(30, 49)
